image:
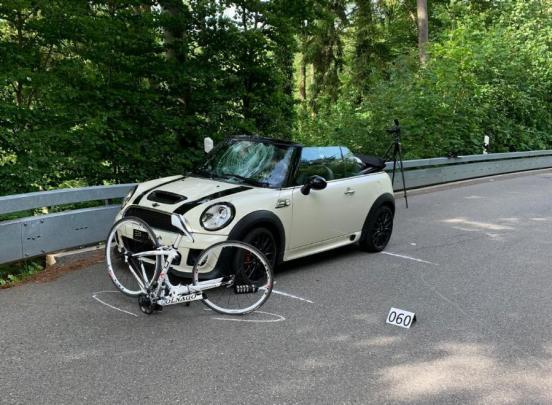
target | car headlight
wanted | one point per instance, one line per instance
(129, 196)
(217, 216)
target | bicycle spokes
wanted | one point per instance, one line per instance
(132, 275)
(247, 282)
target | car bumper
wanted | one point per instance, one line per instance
(189, 251)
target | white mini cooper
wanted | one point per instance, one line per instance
(287, 200)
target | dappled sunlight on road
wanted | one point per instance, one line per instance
(510, 219)
(477, 224)
(378, 341)
(471, 370)
(368, 318)
(541, 219)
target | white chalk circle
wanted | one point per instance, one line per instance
(269, 317)
(95, 296)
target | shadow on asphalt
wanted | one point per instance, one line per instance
(319, 258)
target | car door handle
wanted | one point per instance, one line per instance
(349, 191)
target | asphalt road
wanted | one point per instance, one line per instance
(480, 286)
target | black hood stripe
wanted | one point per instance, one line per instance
(192, 204)
(139, 198)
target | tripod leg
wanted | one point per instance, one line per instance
(402, 173)
(387, 152)
(394, 168)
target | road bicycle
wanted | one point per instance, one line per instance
(230, 277)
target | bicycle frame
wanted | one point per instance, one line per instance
(172, 294)
(244, 280)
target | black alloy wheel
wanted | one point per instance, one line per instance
(264, 240)
(377, 230)
(383, 229)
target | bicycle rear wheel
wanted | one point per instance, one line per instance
(130, 274)
(247, 277)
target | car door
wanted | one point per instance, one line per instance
(317, 216)
(361, 190)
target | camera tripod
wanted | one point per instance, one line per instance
(395, 152)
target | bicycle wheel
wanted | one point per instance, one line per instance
(246, 277)
(130, 274)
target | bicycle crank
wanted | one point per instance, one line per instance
(147, 306)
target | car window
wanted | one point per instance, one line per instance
(321, 161)
(352, 164)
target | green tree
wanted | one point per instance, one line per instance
(117, 91)
(488, 74)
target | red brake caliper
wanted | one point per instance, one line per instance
(247, 258)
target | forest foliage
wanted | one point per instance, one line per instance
(107, 91)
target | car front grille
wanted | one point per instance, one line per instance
(155, 219)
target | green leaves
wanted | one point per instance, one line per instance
(489, 73)
(11, 274)
(101, 91)
(124, 91)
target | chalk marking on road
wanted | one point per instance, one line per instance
(408, 258)
(285, 294)
(109, 305)
(279, 318)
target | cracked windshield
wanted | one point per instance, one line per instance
(256, 163)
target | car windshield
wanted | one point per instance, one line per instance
(258, 163)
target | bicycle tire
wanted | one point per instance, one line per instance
(234, 270)
(119, 247)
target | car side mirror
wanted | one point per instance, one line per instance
(208, 144)
(314, 183)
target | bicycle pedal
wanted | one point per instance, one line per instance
(245, 289)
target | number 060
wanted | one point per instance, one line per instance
(399, 319)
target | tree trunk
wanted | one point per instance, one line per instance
(175, 33)
(174, 37)
(303, 63)
(423, 36)
(303, 79)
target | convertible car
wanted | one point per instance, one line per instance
(287, 200)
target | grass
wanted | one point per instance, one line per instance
(14, 273)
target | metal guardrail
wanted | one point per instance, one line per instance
(429, 172)
(35, 236)
(38, 235)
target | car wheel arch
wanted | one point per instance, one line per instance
(265, 219)
(386, 199)
(365, 242)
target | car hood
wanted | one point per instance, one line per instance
(183, 193)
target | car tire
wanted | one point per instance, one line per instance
(263, 239)
(377, 230)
